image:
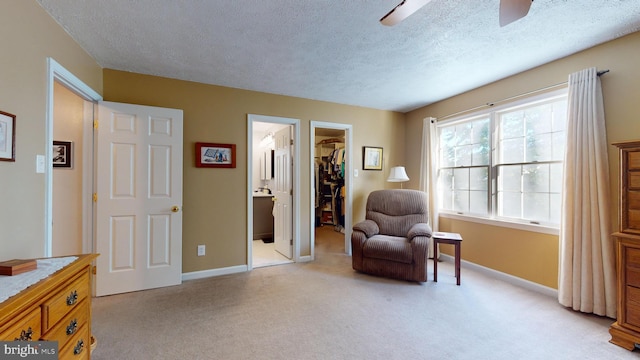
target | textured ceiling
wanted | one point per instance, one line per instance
(337, 50)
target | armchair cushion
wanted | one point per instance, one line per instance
(386, 247)
(419, 229)
(368, 227)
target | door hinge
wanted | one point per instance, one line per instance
(290, 141)
(291, 192)
(95, 124)
(95, 270)
(95, 197)
(290, 241)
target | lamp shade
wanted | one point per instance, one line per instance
(397, 174)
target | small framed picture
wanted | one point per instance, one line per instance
(371, 158)
(7, 137)
(215, 155)
(63, 154)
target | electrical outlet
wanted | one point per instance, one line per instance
(201, 250)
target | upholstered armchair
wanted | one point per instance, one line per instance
(393, 240)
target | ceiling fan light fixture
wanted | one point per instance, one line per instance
(402, 11)
(512, 10)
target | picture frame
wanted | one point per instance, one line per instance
(7, 136)
(62, 155)
(371, 158)
(213, 155)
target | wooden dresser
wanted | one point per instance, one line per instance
(57, 308)
(625, 331)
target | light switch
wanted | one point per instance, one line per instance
(40, 164)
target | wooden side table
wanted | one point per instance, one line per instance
(447, 238)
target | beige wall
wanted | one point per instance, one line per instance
(29, 36)
(215, 211)
(534, 256)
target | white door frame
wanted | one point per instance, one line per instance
(251, 118)
(348, 180)
(56, 72)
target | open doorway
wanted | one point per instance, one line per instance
(273, 196)
(331, 156)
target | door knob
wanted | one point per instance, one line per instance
(274, 199)
(175, 208)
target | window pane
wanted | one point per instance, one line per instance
(478, 202)
(461, 201)
(509, 204)
(555, 206)
(538, 148)
(512, 125)
(536, 206)
(445, 184)
(558, 141)
(479, 179)
(555, 178)
(463, 133)
(512, 151)
(538, 119)
(510, 178)
(461, 179)
(559, 122)
(535, 178)
(463, 155)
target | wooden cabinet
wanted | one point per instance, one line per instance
(263, 217)
(57, 308)
(625, 331)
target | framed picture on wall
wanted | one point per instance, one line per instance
(7, 136)
(371, 158)
(215, 155)
(62, 154)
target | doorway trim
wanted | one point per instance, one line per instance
(56, 72)
(348, 180)
(251, 118)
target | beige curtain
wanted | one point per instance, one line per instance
(586, 279)
(429, 172)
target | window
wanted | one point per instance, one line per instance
(505, 163)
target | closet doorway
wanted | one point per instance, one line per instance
(331, 189)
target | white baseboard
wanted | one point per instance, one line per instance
(306, 258)
(214, 272)
(514, 280)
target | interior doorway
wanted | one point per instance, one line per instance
(331, 195)
(58, 75)
(273, 191)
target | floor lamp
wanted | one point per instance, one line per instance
(398, 174)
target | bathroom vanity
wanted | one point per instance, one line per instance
(263, 216)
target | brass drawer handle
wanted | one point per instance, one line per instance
(79, 347)
(25, 335)
(72, 298)
(73, 326)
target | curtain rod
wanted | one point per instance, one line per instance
(490, 104)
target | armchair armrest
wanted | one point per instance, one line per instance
(368, 227)
(419, 229)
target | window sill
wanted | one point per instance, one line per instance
(502, 223)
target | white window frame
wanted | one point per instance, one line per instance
(492, 218)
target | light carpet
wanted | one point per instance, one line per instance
(325, 310)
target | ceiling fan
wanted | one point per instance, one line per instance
(510, 11)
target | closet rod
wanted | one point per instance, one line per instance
(490, 104)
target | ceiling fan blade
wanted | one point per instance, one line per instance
(402, 11)
(512, 10)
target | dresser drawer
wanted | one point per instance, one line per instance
(69, 325)
(632, 257)
(26, 328)
(65, 301)
(78, 347)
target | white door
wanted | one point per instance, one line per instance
(139, 198)
(283, 226)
